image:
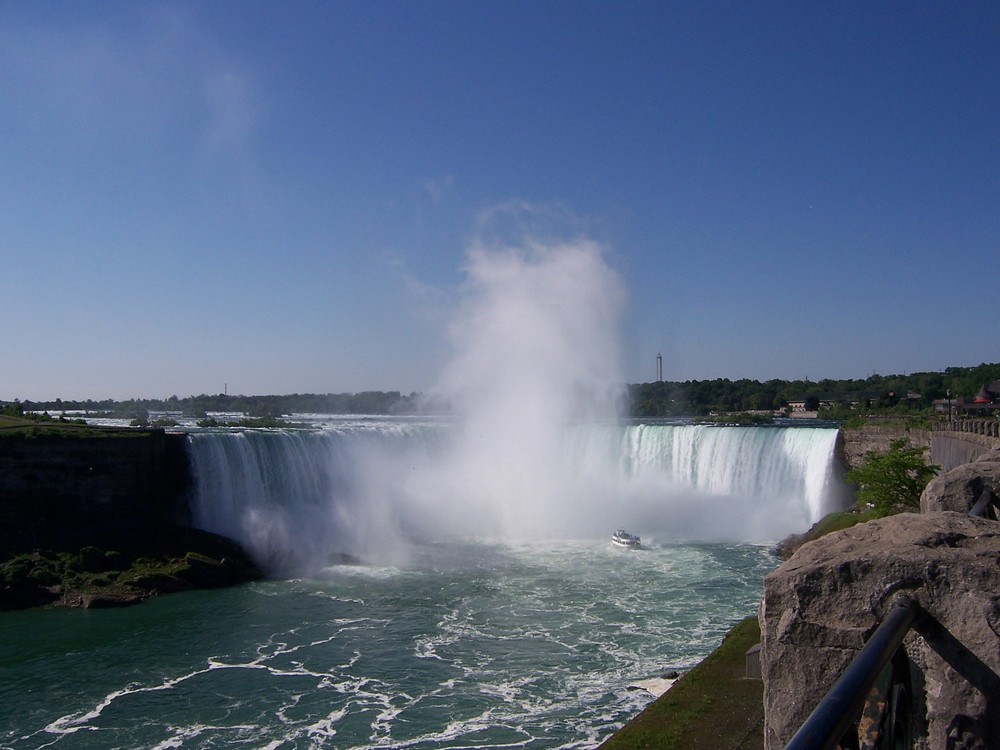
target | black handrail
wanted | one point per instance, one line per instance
(842, 706)
(983, 505)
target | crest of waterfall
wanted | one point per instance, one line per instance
(298, 498)
(791, 463)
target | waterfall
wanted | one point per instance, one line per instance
(298, 498)
(789, 463)
(295, 497)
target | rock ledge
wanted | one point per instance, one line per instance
(821, 605)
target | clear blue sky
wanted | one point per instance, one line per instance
(279, 196)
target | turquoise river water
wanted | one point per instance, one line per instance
(473, 645)
(492, 610)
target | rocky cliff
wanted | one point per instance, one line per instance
(821, 605)
(100, 518)
(59, 489)
(962, 487)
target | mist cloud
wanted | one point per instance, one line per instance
(535, 350)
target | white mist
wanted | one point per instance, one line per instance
(535, 352)
(537, 447)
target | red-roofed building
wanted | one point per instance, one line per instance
(985, 403)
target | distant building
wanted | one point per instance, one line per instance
(985, 403)
(853, 399)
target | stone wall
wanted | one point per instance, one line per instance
(959, 443)
(953, 447)
(877, 438)
(58, 490)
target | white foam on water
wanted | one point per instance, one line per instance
(501, 645)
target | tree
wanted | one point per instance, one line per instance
(892, 481)
(14, 409)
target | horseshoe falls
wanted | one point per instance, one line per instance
(370, 489)
(433, 585)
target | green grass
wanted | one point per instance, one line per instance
(712, 707)
(837, 522)
(31, 428)
(827, 524)
(15, 423)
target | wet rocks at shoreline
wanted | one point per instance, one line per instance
(124, 570)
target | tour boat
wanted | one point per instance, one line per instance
(622, 538)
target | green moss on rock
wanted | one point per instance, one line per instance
(174, 559)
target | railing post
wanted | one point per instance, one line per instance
(842, 706)
(983, 505)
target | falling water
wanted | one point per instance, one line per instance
(298, 498)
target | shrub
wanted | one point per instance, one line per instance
(890, 482)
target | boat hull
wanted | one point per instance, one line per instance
(625, 540)
(626, 545)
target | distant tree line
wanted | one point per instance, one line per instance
(876, 393)
(367, 402)
(691, 398)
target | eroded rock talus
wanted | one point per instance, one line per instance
(820, 606)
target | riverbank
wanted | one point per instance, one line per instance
(712, 707)
(123, 570)
(715, 706)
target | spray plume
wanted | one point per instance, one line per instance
(536, 449)
(536, 351)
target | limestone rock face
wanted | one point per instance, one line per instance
(960, 488)
(59, 492)
(820, 606)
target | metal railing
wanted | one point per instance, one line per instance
(869, 705)
(986, 506)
